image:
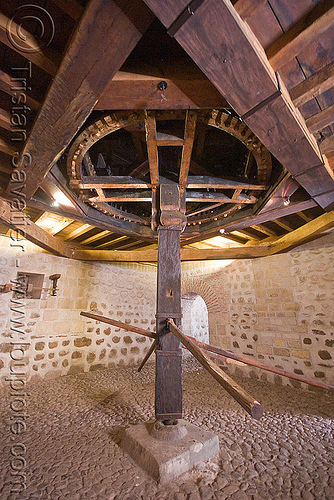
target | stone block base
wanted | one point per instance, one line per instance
(166, 452)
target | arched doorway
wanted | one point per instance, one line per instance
(195, 320)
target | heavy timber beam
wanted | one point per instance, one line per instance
(225, 49)
(105, 36)
(186, 254)
(23, 227)
(136, 91)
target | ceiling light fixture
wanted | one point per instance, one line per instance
(286, 200)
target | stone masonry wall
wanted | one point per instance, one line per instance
(51, 337)
(277, 309)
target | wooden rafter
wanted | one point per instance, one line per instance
(284, 225)
(327, 145)
(8, 85)
(78, 232)
(23, 227)
(7, 148)
(102, 42)
(96, 237)
(320, 120)
(95, 218)
(303, 233)
(111, 242)
(189, 136)
(302, 34)
(15, 37)
(313, 86)
(5, 119)
(243, 220)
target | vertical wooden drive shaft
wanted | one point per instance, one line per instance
(168, 378)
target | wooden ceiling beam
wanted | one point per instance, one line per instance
(5, 119)
(301, 34)
(7, 148)
(235, 62)
(313, 86)
(95, 218)
(327, 144)
(110, 242)
(303, 233)
(264, 229)
(189, 136)
(305, 217)
(78, 232)
(105, 36)
(96, 237)
(247, 8)
(120, 196)
(284, 225)
(321, 120)
(23, 42)
(11, 87)
(243, 220)
(23, 227)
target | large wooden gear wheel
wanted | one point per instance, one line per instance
(218, 163)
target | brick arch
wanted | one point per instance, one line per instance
(201, 288)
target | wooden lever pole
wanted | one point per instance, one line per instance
(221, 354)
(120, 324)
(252, 406)
(148, 355)
(217, 353)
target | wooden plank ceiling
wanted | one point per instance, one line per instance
(153, 71)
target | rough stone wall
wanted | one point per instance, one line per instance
(51, 337)
(277, 309)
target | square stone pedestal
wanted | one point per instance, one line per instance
(165, 452)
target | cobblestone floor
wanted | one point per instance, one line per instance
(70, 452)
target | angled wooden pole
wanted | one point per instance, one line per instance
(148, 355)
(247, 401)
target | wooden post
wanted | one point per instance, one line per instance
(168, 378)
